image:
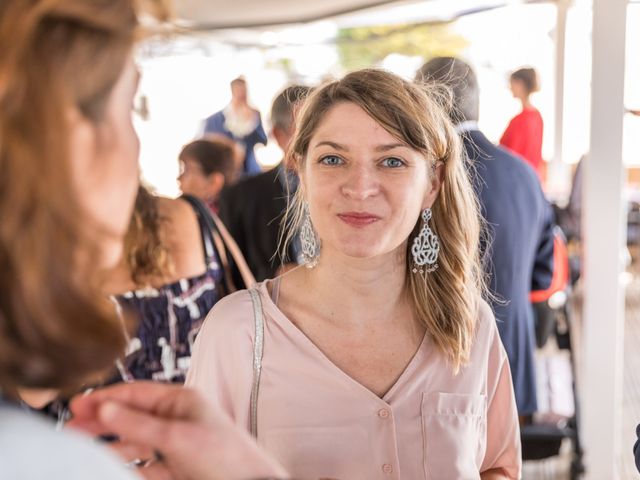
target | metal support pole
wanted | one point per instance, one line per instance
(604, 238)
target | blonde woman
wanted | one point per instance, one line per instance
(380, 360)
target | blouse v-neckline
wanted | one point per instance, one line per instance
(284, 321)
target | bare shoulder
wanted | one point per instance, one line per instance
(177, 211)
(181, 234)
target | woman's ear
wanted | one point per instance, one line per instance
(436, 179)
(215, 183)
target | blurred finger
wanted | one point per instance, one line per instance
(88, 426)
(129, 452)
(134, 426)
(156, 471)
(164, 400)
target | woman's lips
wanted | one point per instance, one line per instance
(358, 219)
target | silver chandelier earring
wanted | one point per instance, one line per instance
(309, 241)
(426, 247)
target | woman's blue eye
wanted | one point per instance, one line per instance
(331, 160)
(392, 162)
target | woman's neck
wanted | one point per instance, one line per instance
(526, 103)
(353, 286)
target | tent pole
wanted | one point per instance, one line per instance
(604, 240)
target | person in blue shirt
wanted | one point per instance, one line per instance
(240, 122)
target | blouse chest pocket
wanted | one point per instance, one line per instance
(454, 435)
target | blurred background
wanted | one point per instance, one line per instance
(186, 78)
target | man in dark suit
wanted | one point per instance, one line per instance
(636, 448)
(519, 237)
(253, 208)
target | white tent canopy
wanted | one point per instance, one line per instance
(209, 15)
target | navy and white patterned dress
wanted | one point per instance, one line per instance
(169, 317)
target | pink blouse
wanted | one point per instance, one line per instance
(320, 423)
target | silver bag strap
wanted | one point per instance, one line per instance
(258, 345)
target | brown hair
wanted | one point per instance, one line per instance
(446, 301)
(238, 81)
(56, 330)
(214, 155)
(528, 77)
(145, 253)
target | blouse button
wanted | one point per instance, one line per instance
(387, 468)
(383, 413)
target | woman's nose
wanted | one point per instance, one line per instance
(361, 182)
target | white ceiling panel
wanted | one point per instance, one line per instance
(223, 14)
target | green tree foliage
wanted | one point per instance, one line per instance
(362, 47)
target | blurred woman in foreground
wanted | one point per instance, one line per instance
(68, 180)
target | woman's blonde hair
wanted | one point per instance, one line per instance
(446, 300)
(146, 254)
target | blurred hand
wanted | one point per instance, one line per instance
(194, 440)
(37, 398)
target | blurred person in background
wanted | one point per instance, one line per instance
(252, 210)
(523, 135)
(207, 166)
(68, 182)
(518, 244)
(240, 122)
(175, 266)
(636, 448)
(172, 273)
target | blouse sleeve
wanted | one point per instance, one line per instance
(503, 430)
(221, 362)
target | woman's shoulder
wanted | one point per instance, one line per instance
(530, 114)
(182, 235)
(486, 328)
(224, 343)
(177, 211)
(230, 317)
(234, 307)
(31, 448)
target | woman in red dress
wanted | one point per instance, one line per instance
(523, 136)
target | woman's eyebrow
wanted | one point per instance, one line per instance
(379, 148)
(337, 146)
(389, 146)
